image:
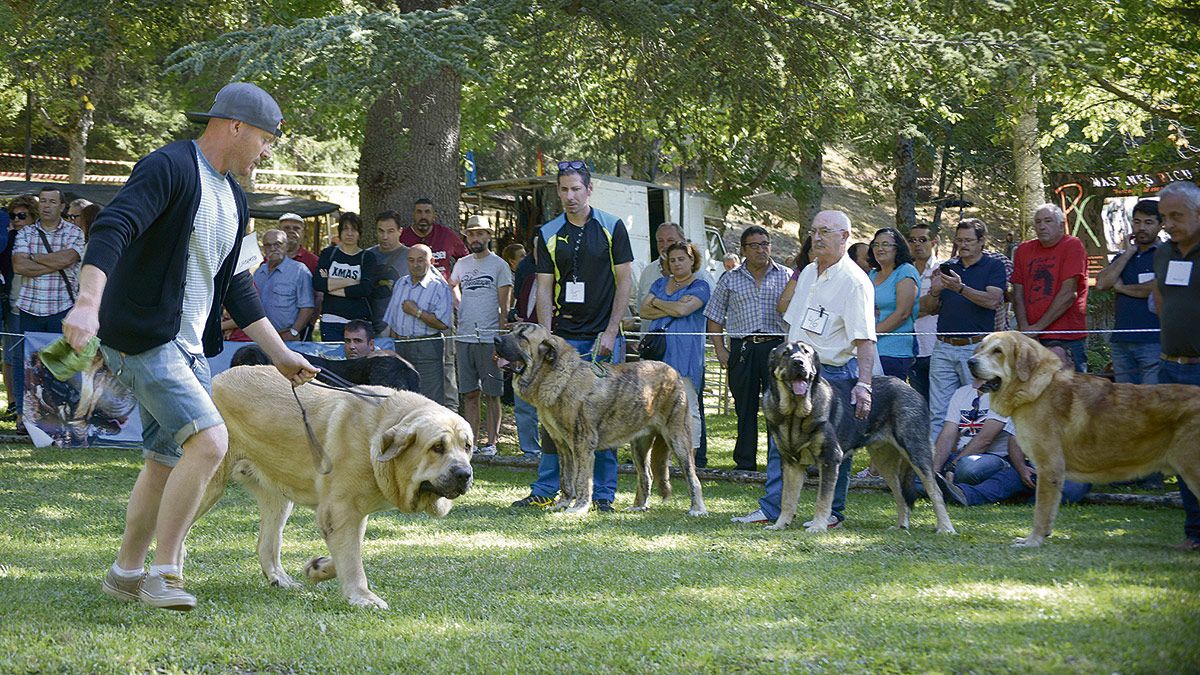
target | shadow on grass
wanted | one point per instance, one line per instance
(493, 588)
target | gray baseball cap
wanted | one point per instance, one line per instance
(247, 103)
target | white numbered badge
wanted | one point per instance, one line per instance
(574, 291)
(1145, 277)
(1179, 273)
(815, 320)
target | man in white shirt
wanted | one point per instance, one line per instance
(923, 244)
(833, 310)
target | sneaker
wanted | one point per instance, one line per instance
(832, 523)
(486, 451)
(165, 591)
(866, 473)
(124, 590)
(535, 501)
(1187, 545)
(951, 490)
(603, 505)
(753, 518)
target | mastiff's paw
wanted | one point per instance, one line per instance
(367, 599)
(696, 513)
(320, 569)
(281, 580)
(638, 509)
(1028, 542)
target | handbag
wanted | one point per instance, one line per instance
(653, 345)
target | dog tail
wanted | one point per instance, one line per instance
(908, 485)
(659, 453)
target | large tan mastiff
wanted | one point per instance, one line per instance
(398, 449)
(1085, 428)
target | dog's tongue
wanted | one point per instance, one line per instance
(501, 361)
(977, 382)
(800, 387)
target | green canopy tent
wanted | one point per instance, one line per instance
(262, 205)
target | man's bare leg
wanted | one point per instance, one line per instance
(493, 419)
(141, 515)
(470, 412)
(202, 455)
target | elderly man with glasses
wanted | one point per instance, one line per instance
(285, 287)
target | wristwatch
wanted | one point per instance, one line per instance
(294, 332)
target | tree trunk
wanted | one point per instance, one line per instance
(1027, 156)
(410, 150)
(808, 190)
(905, 184)
(77, 139)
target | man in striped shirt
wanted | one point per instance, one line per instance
(743, 305)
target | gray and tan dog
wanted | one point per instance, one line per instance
(812, 422)
(632, 403)
(396, 450)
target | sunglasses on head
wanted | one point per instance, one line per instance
(574, 164)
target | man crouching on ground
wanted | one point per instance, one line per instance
(160, 265)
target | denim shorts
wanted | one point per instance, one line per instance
(173, 388)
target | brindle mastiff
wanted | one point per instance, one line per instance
(812, 421)
(584, 411)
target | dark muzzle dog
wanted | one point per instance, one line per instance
(812, 422)
(385, 370)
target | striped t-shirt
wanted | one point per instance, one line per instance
(213, 234)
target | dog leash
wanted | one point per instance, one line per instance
(336, 383)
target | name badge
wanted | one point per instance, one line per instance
(1145, 277)
(574, 291)
(249, 256)
(1179, 273)
(816, 320)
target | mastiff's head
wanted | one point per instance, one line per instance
(795, 365)
(1014, 367)
(528, 351)
(424, 461)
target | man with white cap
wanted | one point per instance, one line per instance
(485, 282)
(292, 225)
(161, 263)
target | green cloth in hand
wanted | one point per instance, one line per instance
(63, 362)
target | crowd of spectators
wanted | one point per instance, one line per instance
(442, 296)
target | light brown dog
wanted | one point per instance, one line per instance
(1085, 428)
(389, 449)
(583, 412)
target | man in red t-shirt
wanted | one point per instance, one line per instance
(1050, 285)
(293, 226)
(446, 244)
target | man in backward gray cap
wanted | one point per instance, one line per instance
(161, 264)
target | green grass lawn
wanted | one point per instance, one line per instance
(493, 589)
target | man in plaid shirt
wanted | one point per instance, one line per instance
(45, 296)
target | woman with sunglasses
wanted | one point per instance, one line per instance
(22, 211)
(896, 283)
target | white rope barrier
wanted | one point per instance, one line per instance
(492, 332)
